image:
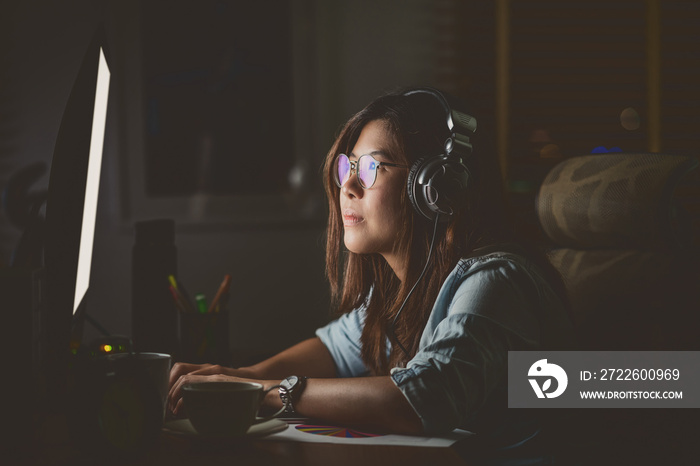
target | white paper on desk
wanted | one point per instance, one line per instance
(294, 435)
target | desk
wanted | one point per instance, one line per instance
(179, 451)
(267, 452)
(655, 440)
(174, 451)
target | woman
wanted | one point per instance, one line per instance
(411, 353)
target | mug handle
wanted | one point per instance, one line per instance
(272, 416)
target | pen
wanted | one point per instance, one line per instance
(177, 298)
(221, 294)
(173, 282)
(180, 288)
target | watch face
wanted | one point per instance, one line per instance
(290, 382)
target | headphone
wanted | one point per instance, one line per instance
(437, 184)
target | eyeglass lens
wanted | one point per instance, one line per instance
(366, 168)
(342, 169)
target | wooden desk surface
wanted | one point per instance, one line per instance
(51, 442)
(51, 445)
(57, 450)
(268, 452)
(174, 451)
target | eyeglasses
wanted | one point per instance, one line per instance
(365, 167)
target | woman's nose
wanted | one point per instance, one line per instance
(352, 187)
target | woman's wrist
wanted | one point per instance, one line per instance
(272, 398)
(246, 373)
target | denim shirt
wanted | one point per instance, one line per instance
(488, 305)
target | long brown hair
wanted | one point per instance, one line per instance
(417, 127)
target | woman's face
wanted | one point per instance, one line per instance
(372, 218)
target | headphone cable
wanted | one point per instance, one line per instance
(425, 267)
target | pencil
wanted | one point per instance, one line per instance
(173, 282)
(220, 294)
(177, 298)
(180, 288)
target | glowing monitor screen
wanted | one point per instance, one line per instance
(92, 186)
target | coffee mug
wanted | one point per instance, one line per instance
(224, 408)
(157, 368)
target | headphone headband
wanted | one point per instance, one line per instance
(437, 184)
(460, 124)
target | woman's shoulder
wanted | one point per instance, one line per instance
(503, 269)
(497, 259)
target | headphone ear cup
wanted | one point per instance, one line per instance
(437, 185)
(454, 183)
(415, 192)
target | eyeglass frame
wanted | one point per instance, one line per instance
(354, 165)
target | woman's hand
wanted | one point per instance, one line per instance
(180, 368)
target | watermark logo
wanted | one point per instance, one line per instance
(544, 371)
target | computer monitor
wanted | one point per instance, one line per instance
(92, 182)
(71, 206)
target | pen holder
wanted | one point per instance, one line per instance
(204, 337)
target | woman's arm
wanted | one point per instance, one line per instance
(309, 358)
(374, 403)
(371, 402)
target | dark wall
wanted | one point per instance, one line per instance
(279, 293)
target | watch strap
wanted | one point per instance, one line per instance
(290, 394)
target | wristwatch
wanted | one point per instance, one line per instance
(290, 389)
